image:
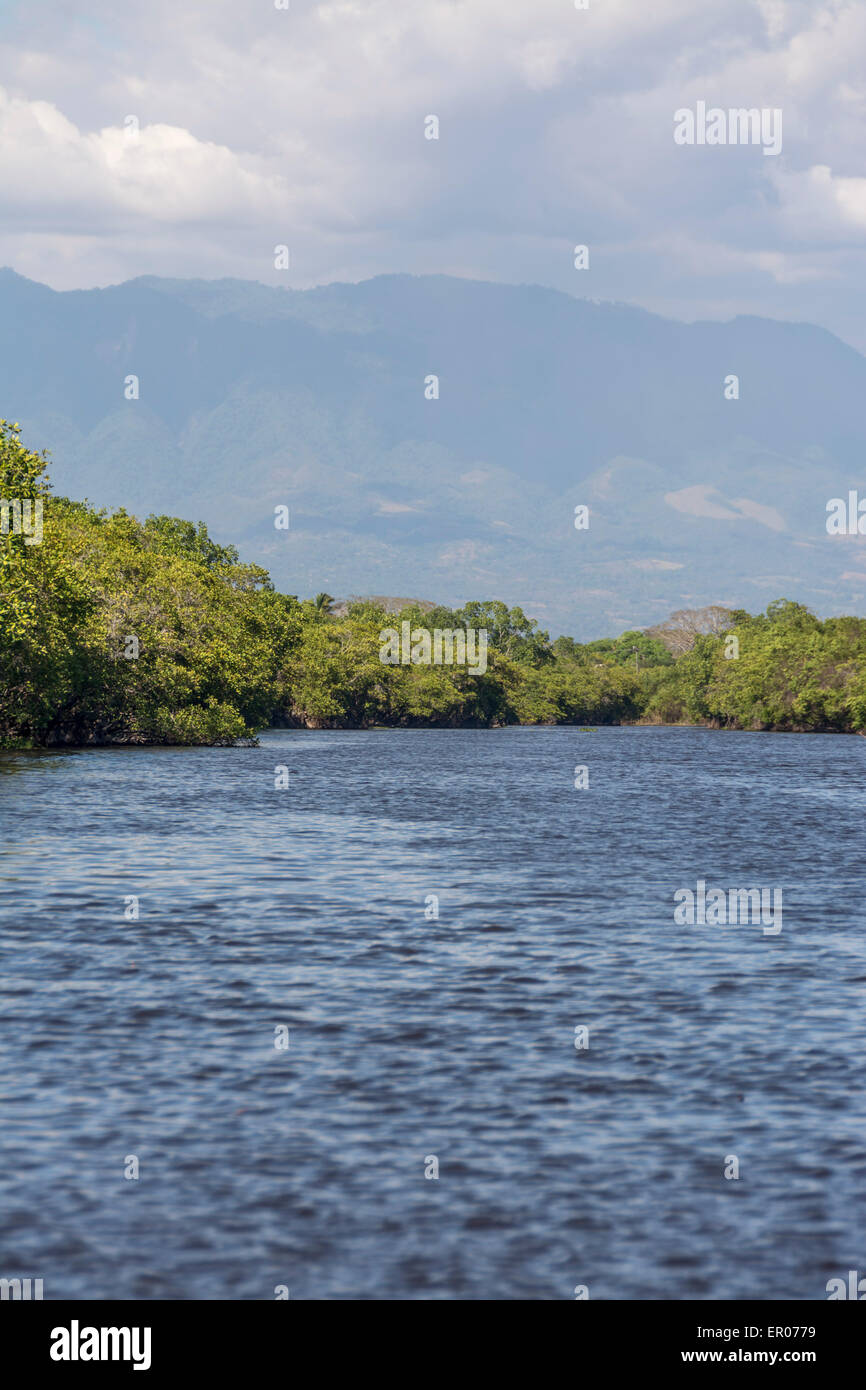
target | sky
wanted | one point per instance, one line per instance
(192, 137)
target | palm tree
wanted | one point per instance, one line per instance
(322, 603)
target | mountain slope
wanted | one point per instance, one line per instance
(252, 396)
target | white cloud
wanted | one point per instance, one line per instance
(161, 173)
(815, 204)
(306, 127)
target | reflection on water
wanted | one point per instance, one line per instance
(412, 1036)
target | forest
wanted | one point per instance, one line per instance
(116, 630)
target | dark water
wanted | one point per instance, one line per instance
(454, 1037)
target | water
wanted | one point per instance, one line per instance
(412, 1037)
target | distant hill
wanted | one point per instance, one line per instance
(252, 397)
(340, 607)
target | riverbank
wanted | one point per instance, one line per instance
(123, 632)
(254, 741)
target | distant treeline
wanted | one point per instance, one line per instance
(121, 631)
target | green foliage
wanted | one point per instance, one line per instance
(168, 535)
(116, 630)
(790, 672)
(510, 631)
(631, 649)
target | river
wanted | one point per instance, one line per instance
(238, 1042)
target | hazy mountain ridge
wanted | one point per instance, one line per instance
(251, 396)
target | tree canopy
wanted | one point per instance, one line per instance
(118, 630)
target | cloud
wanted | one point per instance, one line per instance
(261, 126)
(159, 173)
(815, 204)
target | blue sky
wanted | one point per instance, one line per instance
(258, 127)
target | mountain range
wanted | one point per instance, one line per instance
(252, 397)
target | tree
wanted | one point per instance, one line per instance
(169, 535)
(679, 632)
(114, 630)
